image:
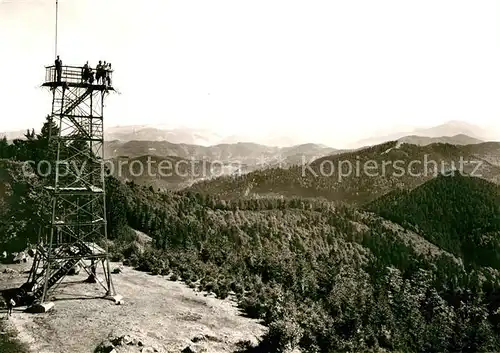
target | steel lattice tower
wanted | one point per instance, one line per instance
(77, 186)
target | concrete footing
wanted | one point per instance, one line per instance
(117, 299)
(40, 308)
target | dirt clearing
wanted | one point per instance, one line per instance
(157, 312)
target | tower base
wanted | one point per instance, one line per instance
(117, 299)
(40, 308)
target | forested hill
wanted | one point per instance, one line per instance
(323, 276)
(21, 201)
(361, 176)
(458, 213)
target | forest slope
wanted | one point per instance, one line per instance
(361, 176)
(166, 173)
(458, 213)
(21, 200)
(322, 276)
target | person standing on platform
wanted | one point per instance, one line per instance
(86, 72)
(108, 74)
(99, 70)
(91, 76)
(58, 63)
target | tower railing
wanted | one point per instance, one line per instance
(71, 74)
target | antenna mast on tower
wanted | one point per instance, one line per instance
(57, 18)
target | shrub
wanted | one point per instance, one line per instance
(251, 305)
(284, 335)
(236, 287)
(222, 292)
(156, 271)
(186, 275)
(209, 287)
(132, 249)
(117, 257)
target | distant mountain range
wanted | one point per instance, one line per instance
(235, 158)
(460, 139)
(242, 158)
(242, 153)
(454, 132)
(190, 136)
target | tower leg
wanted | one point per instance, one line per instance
(111, 293)
(92, 277)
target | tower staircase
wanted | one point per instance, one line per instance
(77, 250)
(64, 106)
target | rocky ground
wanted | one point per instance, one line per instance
(157, 315)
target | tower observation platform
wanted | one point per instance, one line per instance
(75, 236)
(73, 76)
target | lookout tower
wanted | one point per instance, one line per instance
(76, 186)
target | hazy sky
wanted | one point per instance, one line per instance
(328, 70)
